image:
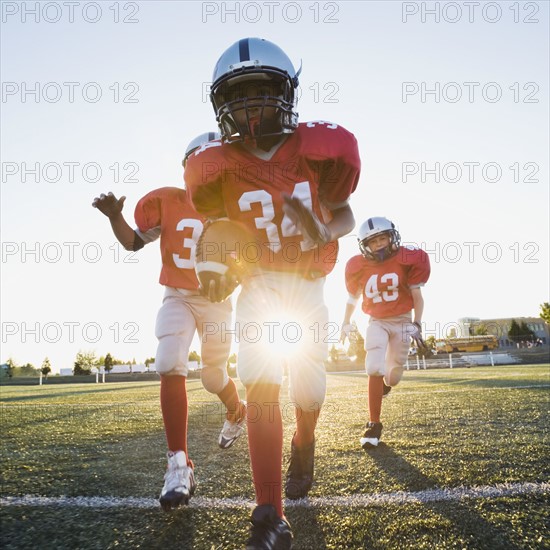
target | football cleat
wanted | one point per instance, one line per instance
(268, 531)
(179, 482)
(387, 389)
(231, 431)
(299, 476)
(372, 435)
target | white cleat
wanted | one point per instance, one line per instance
(231, 431)
(179, 482)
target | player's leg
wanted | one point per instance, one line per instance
(398, 349)
(174, 329)
(213, 325)
(376, 344)
(261, 373)
(307, 380)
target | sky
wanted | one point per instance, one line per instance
(448, 102)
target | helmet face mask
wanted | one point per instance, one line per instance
(374, 227)
(253, 91)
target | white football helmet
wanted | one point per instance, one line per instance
(197, 142)
(373, 227)
(254, 73)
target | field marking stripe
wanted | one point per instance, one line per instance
(351, 501)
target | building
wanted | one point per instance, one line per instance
(500, 328)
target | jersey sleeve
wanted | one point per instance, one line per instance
(339, 172)
(353, 276)
(419, 268)
(148, 213)
(203, 179)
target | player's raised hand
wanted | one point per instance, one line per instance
(109, 204)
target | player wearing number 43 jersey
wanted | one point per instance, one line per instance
(168, 213)
(289, 183)
(389, 278)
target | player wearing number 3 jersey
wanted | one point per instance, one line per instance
(289, 183)
(389, 278)
(168, 213)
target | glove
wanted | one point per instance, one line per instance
(347, 329)
(416, 335)
(306, 221)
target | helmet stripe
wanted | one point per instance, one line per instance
(371, 225)
(244, 50)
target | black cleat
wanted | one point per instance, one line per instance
(268, 531)
(372, 435)
(387, 389)
(299, 476)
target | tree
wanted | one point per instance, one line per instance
(148, 362)
(545, 312)
(11, 366)
(356, 345)
(514, 334)
(84, 363)
(526, 332)
(108, 363)
(481, 330)
(46, 367)
(25, 370)
(194, 356)
(430, 342)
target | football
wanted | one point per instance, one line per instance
(220, 257)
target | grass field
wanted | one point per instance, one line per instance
(464, 463)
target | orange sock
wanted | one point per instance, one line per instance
(173, 403)
(230, 398)
(376, 391)
(265, 442)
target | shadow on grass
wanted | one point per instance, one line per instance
(306, 528)
(464, 519)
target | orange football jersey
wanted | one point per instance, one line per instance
(170, 209)
(318, 163)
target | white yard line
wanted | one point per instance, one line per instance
(350, 501)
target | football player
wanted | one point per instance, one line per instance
(168, 213)
(289, 183)
(389, 277)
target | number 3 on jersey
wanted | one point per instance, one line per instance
(188, 243)
(389, 295)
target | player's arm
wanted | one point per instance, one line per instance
(112, 208)
(343, 221)
(347, 327)
(418, 304)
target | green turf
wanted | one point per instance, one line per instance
(442, 429)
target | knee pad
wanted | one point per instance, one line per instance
(393, 375)
(172, 354)
(214, 379)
